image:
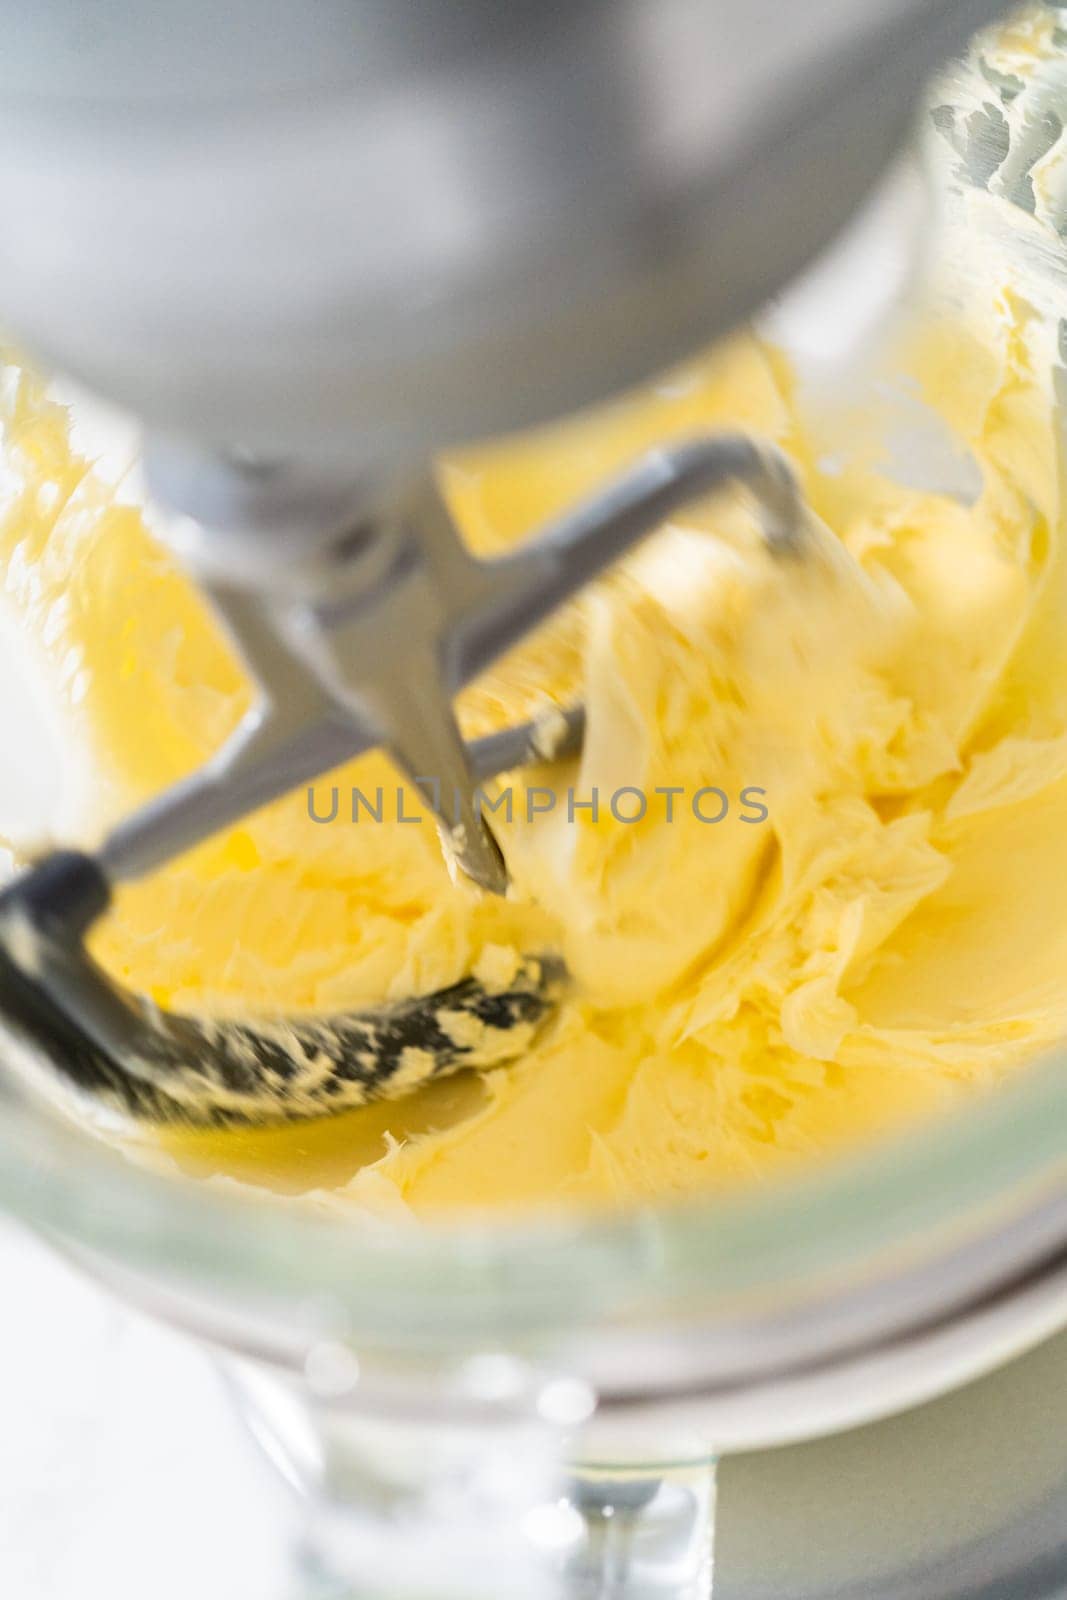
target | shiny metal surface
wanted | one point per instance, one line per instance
(370, 230)
(368, 643)
(964, 1498)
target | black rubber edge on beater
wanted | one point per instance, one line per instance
(55, 902)
(63, 895)
(156, 1065)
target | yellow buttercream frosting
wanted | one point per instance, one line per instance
(876, 930)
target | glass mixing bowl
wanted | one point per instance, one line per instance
(477, 1407)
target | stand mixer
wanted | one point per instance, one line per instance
(286, 437)
(309, 253)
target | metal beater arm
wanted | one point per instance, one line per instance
(399, 619)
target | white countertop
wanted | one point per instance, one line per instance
(115, 1437)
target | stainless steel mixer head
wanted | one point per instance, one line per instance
(355, 233)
